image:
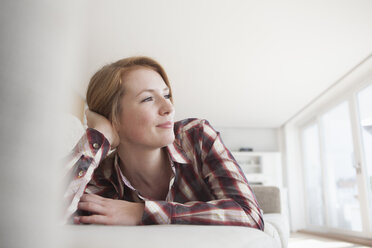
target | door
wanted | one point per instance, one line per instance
(337, 166)
(341, 186)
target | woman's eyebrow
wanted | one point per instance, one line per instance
(151, 90)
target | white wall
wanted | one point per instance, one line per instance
(236, 63)
(260, 139)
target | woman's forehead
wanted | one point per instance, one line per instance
(142, 78)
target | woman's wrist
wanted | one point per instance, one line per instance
(112, 138)
(139, 211)
(104, 126)
(105, 133)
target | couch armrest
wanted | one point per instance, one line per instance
(268, 198)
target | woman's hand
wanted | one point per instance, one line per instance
(109, 211)
(103, 125)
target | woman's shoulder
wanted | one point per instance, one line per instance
(191, 126)
(193, 135)
(188, 124)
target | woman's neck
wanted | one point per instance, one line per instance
(141, 165)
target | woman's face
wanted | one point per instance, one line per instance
(145, 104)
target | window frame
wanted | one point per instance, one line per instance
(350, 97)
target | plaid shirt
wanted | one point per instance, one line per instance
(207, 187)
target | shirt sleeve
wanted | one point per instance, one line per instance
(235, 202)
(79, 166)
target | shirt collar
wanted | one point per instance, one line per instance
(124, 179)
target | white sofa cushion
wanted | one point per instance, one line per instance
(179, 236)
(73, 130)
(280, 223)
(273, 232)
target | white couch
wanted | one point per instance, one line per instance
(276, 223)
(276, 231)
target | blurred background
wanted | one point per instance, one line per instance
(290, 80)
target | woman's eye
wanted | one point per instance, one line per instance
(149, 98)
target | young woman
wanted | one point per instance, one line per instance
(136, 166)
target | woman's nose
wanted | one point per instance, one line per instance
(166, 107)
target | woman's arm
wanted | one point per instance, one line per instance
(80, 164)
(85, 157)
(235, 202)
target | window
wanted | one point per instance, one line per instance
(313, 175)
(365, 115)
(341, 187)
(337, 165)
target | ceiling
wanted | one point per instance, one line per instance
(237, 63)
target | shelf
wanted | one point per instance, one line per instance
(260, 167)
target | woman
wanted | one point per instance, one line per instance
(159, 171)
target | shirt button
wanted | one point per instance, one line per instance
(80, 173)
(95, 145)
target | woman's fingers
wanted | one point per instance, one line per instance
(95, 204)
(109, 211)
(92, 198)
(92, 207)
(93, 219)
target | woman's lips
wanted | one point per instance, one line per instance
(167, 124)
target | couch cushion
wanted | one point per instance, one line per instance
(268, 198)
(166, 236)
(281, 224)
(73, 130)
(273, 232)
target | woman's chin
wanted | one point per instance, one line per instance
(167, 140)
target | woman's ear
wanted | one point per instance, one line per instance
(116, 127)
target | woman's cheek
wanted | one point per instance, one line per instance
(142, 127)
